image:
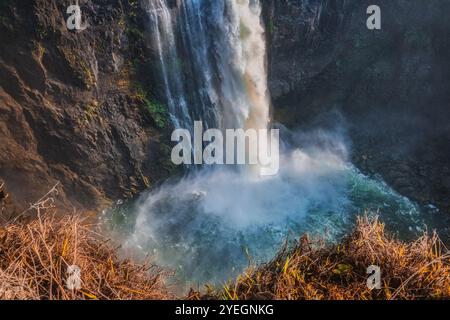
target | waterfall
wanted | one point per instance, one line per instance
(242, 60)
(212, 66)
(163, 38)
(221, 46)
(196, 47)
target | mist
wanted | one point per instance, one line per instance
(210, 224)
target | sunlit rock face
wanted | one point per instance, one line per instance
(69, 108)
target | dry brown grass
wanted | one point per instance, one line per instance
(315, 271)
(37, 248)
(35, 256)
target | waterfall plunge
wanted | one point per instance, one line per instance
(206, 225)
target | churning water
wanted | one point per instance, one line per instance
(208, 224)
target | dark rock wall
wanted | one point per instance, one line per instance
(392, 86)
(70, 110)
(74, 106)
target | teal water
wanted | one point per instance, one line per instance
(209, 225)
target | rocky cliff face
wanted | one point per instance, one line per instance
(391, 87)
(79, 107)
(73, 107)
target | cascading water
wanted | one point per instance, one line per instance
(195, 44)
(208, 224)
(241, 63)
(223, 69)
(164, 40)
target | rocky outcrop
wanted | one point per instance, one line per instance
(72, 107)
(390, 86)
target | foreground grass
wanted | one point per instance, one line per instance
(314, 271)
(35, 257)
(38, 249)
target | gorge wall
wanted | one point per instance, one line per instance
(389, 89)
(82, 107)
(74, 107)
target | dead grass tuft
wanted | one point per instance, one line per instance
(314, 271)
(38, 248)
(35, 256)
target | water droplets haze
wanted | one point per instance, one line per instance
(206, 225)
(212, 63)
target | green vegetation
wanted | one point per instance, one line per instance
(157, 110)
(40, 51)
(270, 27)
(168, 164)
(132, 26)
(91, 111)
